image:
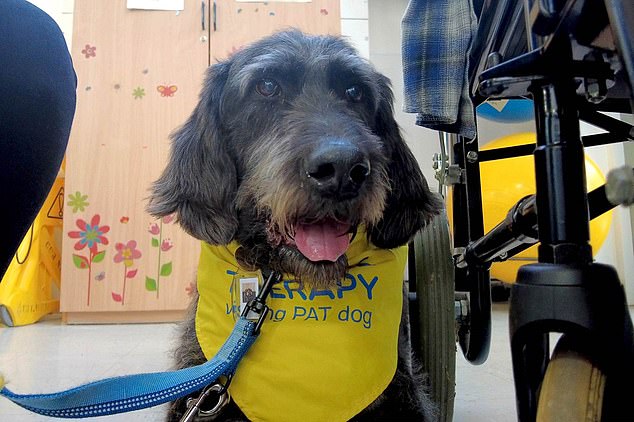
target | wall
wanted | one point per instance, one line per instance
(354, 24)
(385, 54)
(618, 248)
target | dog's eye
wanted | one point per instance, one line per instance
(354, 93)
(268, 88)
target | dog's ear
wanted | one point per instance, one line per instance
(199, 182)
(410, 204)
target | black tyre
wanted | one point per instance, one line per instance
(434, 274)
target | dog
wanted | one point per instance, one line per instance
(292, 155)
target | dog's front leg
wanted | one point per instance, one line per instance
(188, 353)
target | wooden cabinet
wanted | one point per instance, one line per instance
(139, 74)
(238, 23)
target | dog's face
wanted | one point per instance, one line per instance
(292, 146)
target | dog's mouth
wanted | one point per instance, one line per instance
(318, 240)
(323, 240)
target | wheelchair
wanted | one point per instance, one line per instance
(575, 59)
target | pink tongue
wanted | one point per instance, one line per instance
(323, 241)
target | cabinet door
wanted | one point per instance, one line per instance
(139, 74)
(236, 23)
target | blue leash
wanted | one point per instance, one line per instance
(140, 391)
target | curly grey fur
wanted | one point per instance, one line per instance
(238, 170)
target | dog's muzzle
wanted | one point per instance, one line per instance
(337, 169)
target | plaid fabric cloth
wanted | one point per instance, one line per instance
(436, 37)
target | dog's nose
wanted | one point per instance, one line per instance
(337, 168)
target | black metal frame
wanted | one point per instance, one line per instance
(565, 292)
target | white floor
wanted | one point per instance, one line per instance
(48, 356)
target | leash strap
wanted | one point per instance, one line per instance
(134, 392)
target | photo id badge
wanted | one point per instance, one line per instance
(244, 289)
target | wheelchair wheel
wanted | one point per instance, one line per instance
(434, 272)
(573, 386)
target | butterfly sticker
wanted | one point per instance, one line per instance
(167, 91)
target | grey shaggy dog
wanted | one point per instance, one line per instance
(291, 131)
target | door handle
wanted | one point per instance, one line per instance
(202, 15)
(214, 16)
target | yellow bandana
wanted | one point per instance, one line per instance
(322, 355)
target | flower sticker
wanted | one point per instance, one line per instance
(91, 236)
(154, 229)
(166, 245)
(138, 93)
(89, 51)
(78, 202)
(152, 284)
(234, 50)
(126, 254)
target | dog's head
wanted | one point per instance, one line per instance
(292, 146)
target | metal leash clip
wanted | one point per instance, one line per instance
(256, 309)
(194, 406)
